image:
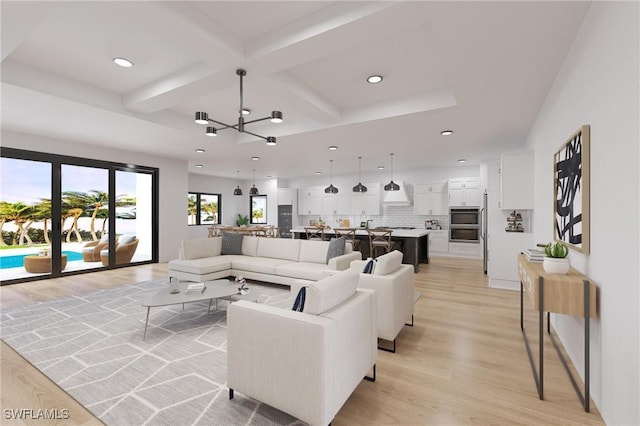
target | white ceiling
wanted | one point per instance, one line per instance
(481, 69)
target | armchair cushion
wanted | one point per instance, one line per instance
(388, 263)
(369, 266)
(126, 239)
(329, 292)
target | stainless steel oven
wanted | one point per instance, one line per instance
(464, 225)
(464, 235)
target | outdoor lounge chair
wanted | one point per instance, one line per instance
(91, 251)
(125, 249)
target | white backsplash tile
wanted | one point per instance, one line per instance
(391, 216)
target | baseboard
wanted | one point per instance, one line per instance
(504, 284)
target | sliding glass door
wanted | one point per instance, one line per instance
(63, 215)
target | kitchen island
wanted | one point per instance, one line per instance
(414, 243)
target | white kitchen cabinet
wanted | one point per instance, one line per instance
(310, 200)
(464, 192)
(344, 204)
(330, 204)
(438, 242)
(287, 196)
(430, 199)
(504, 248)
(516, 181)
(465, 249)
(366, 203)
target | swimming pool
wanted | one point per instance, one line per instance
(17, 261)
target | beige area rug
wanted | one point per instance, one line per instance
(92, 347)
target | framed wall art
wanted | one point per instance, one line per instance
(571, 191)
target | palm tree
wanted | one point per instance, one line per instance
(92, 202)
(212, 210)
(42, 211)
(19, 213)
(72, 206)
(5, 208)
(192, 209)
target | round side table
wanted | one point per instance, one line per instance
(41, 264)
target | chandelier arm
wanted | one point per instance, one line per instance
(226, 126)
(258, 119)
(256, 135)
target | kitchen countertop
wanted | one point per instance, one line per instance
(399, 233)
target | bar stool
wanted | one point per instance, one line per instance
(380, 239)
(349, 234)
(314, 233)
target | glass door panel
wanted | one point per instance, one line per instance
(84, 216)
(25, 218)
(134, 217)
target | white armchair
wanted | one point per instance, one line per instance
(393, 283)
(308, 363)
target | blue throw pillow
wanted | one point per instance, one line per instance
(298, 305)
(231, 243)
(369, 266)
(336, 248)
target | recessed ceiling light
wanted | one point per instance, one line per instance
(200, 150)
(318, 173)
(333, 148)
(246, 111)
(124, 63)
(446, 132)
(462, 160)
(199, 166)
(380, 167)
(374, 79)
(255, 158)
(269, 176)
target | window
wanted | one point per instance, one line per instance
(204, 209)
(258, 209)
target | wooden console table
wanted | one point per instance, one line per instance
(568, 294)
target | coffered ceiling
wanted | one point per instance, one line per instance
(481, 69)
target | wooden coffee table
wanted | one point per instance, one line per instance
(216, 289)
(41, 264)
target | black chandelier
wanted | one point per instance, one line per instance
(331, 189)
(359, 187)
(392, 186)
(203, 118)
(238, 191)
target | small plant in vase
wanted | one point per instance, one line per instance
(555, 259)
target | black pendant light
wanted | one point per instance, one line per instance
(238, 191)
(254, 190)
(359, 187)
(392, 186)
(331, 189)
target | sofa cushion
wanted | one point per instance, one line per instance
(232, 242)
(250, 246)
(302, 270)
(313, 251)
(336, 248)
(201, 247)
(202, 266)
(279, 248)
(388, 263)
(127, 238)
(329, 292)
(262, 265)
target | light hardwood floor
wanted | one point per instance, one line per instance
(463, 362)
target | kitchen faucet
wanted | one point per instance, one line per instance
(370, 220)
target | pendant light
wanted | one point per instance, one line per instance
(238, 191)
(359, 187)
(331, 189)
(254, 190)
(392, 186)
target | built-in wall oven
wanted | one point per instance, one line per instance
(464, 225)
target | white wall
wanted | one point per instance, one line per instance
(598, 85)
(172, 177)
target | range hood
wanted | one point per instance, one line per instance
(398, 198)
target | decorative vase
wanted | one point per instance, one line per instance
(554, 265)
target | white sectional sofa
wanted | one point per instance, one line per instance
(274, 260)
(306, 363)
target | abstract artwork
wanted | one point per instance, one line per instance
(571, 191)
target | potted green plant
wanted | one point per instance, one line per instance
(242, 220)
(555, 259)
